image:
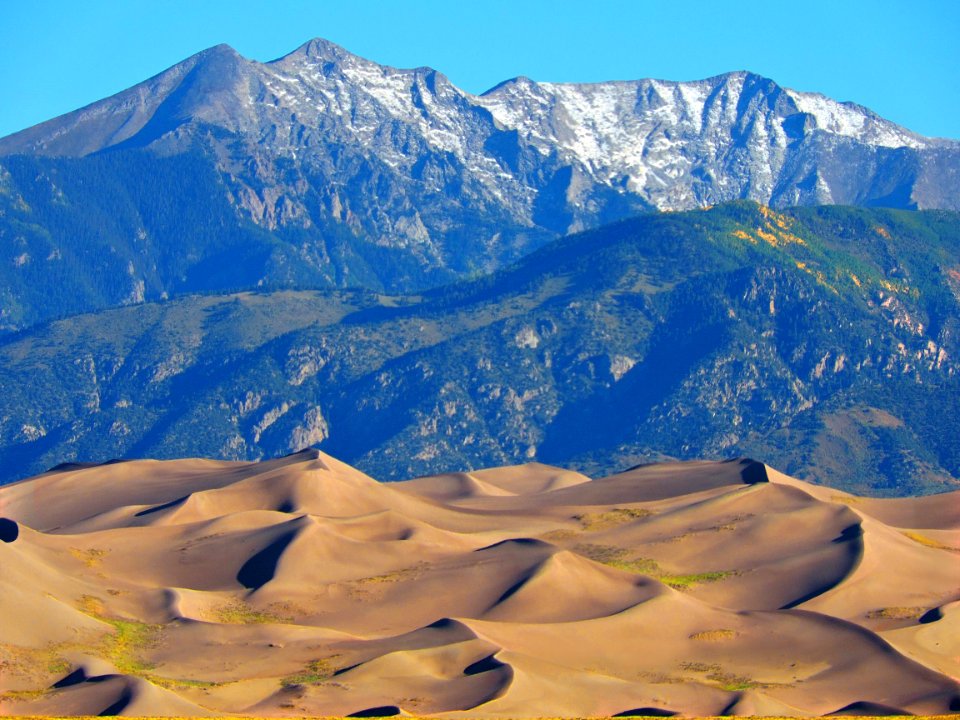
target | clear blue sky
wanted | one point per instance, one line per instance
(901, 59)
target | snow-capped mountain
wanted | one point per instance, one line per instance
(674, 145)
(396, 179)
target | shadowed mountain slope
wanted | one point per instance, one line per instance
(825, 339)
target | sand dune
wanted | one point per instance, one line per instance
(461, 488)
(300, 586)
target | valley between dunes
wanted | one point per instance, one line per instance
(301, 586)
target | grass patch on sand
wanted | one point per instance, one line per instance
(896, 613)
(237, 612)
(180, 684)
(91, 605)
(90, 557)
(731, 524)
(57, 665)
(124, 646)
(684, 582)
(14, 695)
(714, 635)
(36, 667)
(374, 585)
(619, 558)
(394, 576)
(715, 675)
(592, 522)
(314, 673)
(559, 535)
(287, 611)
(732, 683)
(927, 541)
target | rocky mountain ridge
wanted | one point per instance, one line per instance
(646, 137)
(826, 339)
(331, 170)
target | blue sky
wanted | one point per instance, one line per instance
(901, 59)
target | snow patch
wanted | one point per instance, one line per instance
(850, 121)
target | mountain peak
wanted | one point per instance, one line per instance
(319, 49)
(521, 81)
(648, 143)
(215, 55)
(220, 49)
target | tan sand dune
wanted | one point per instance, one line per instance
(647, 483)
(824, 662)
(452, 487)
(871, 587)
(567, 587)
(934, 641)
(423, 680)
(528, 479)
(556, 689)
(663, 480)
(736, 531)
(66, 497)
(931, 512)
(117, 695)
(33, 581)
(300, 586)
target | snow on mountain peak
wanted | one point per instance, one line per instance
(854, 121)
(659, 143)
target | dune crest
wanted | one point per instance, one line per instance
(301, 586)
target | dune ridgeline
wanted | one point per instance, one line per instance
(301, 586)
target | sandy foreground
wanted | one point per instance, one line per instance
(301, 586)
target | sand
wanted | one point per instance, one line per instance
(300, 586)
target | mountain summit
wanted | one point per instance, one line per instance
(669, 145)
(328, 169)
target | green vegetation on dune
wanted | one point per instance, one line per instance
(314, 673)
(593, 522)
(692, 580)
(897, 613)
(715, 675)
(31, 670)
(617, 557)
(238, 612)
(127, 645)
